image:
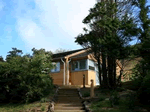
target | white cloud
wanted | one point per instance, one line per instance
(51, 24)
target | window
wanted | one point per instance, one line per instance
(83, 64)
(79, 65)
(91, 65)
(75, 65)
(56, 67)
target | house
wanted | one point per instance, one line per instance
(71, 66)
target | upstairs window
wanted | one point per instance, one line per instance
(56, 67)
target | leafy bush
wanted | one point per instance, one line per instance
(114, 98)
(144, 90)
(86, 94)
(141, 81)
(129, 103)
(25, 78)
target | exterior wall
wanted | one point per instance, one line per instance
(77, 77)
(58, 76)
(91, 75)
(118, 71)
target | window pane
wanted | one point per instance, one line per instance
(83, 64)
(75, 65)
(58, 66)
(91, 68)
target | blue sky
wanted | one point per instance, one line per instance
(49, 24)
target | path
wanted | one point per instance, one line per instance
(68, 101)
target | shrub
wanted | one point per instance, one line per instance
(86, 94)
(25, 78)
(114, 98)
(144, 91)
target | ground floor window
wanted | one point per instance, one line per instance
(79, 65)
(56, 67)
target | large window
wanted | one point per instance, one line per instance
(79, 65)
(82, 64)
(56, 67)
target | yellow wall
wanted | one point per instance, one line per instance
(77, 77)
(91, 75)
(58, 76)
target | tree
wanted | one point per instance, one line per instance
(1, 59)
(107, 35)
(142, 70)
(25, 78)
(60, 50)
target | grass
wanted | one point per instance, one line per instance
(40, 105)
(20, 107)
(126, 103)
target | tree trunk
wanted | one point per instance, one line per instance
(110, 71)
(104, 71)
(99, 70)
(114, 72)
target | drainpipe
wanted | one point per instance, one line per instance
(64, 72)
(68, 72)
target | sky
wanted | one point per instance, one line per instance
(48, 24)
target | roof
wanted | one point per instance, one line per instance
(60, 55)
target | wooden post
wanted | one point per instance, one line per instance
(67, 71)
(83, 80)
(92, 88)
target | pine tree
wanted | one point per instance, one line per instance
(106, 35)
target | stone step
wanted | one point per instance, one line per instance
(69, 101)
(68, 98)
(74, 92)
(68, 94)
(67, 89)
(69, 104)
(64, 95)
(69, 110)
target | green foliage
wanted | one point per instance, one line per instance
(86, 94)
(108, 35)
(141, 79)
(25, 78)
(1, 59)
(129, 103)
(114, 98)
(43, 108)
(144, 90)
(97, 105)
